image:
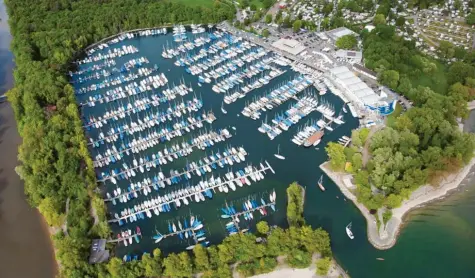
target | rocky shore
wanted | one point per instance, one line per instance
(386, 237)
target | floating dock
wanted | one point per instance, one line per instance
(191, 194)
(222, 159)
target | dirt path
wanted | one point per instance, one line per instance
(365, 152)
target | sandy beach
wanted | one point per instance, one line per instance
(284, 271)
(387, 236)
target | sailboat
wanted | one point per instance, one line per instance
(344, 109)
(278, 155)
(320, 183)
(222, 109)
(349, 232)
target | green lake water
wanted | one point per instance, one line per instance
(438, 242)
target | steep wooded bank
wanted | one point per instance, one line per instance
(47, 35)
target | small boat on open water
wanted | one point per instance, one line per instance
(278, 155)
(349, 232)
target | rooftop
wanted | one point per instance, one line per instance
(355, 55)
(291, 46)
(337, 33)
(99, 254)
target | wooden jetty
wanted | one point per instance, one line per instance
(213, 136)
(234, 217)
(222, 159)
(209, 118)
(193, 193)
(129, 110)
(123, 238)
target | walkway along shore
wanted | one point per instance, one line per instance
(387, 236)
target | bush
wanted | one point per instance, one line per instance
(299, 259)
(323, 265)
(387, 215)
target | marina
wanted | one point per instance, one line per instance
(249, 206)
(195, 193)
(168, 139)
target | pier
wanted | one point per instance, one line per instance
(189, 195)
(234, 217)
(147, 123)
(222, 159)
(123, 238)
(209, 118)
(213, 135)
(112, 115)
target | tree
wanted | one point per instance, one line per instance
(470, 19)
(346, 42)
(267, 3)
(268, 18)
(49, 209)
(299, 259)
(328, 8)
(265, 33)
(400, 21)
(355, 138)
(323, 265)
(297, 25)
(357, 161)
(390, 78)
(152, 265)
(337, 156)
(459, 71)
(387, 216)
(201, 259)
(393, 201)
(287, 21)
(379, 19)
(262, 227)
(405, 85)
(253, 7)
(178, 265)
(446, 50)
(295, 205)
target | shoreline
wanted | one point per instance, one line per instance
(282, 270)
(387, 235)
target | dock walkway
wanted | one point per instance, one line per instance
(222, 159)
(193, 193)
(123, 238)
(129, 110)
(209, 118)
(235, 216)
(213, 135)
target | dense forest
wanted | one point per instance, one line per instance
(424, 144)
(297, 244)
(55, 163)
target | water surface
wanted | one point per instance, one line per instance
(438, 241)
(25, 247)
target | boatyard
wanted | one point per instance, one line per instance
(181, 121)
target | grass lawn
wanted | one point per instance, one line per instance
(437, 81)
(391, 119)
(203, 3)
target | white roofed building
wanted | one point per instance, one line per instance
(358, 92)
(337, 33)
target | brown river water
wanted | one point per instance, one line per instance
(25, 247)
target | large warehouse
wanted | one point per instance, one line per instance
(358, 92)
